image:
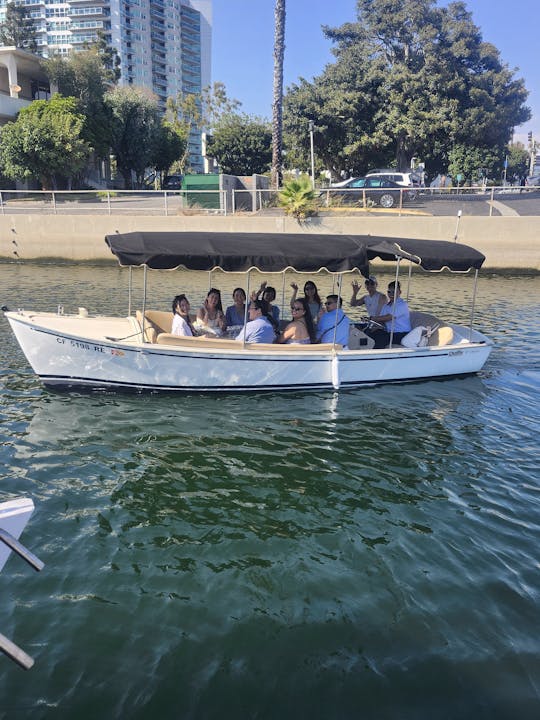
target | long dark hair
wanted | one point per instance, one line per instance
(308, 318)
(218, 293)
(264, 307)
(316, 297)
(176, 302)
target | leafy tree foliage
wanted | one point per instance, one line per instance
(18, 28)
(410, 79)
(85, 75)
(45, 142)
(135, 122)
(169, 145)
(242, 145)
(518, 162)
(216, 104)
(473, 163)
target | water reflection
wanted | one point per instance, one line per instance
(371, 542)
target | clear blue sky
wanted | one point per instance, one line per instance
(243, 36)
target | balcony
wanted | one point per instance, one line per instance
(9, 106)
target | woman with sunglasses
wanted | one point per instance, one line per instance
(300, 331)
(312, 296)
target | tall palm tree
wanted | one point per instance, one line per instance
(277, 100)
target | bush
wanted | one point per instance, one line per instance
(298, 199)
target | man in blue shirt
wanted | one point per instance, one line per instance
(259, 329)
(333, 321)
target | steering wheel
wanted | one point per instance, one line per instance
(373, 324)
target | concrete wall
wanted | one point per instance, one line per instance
(507, 242)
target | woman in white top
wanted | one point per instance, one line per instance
(211, 318)
(374, 301)
(181, 324)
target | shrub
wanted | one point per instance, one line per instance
(297, 198)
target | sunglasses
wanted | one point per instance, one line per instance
(297, 309)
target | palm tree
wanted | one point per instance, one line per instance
(277, 100)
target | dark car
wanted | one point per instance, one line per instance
(379, 190)
(173, 182)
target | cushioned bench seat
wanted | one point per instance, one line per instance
(227, 344)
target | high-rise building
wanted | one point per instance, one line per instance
(164, 45)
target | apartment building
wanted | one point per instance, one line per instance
(164, 45)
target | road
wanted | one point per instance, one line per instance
(512, 203)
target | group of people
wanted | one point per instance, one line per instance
(312, 320)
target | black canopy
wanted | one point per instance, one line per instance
(274, 252)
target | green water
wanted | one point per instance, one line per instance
(368, 554)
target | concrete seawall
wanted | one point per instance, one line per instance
(509, 243)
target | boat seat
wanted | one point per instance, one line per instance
(156, 322)
(443, 335)
(226, 344)
(423, 318)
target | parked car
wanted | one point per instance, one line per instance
(385, 193)
(406, 179)
(173, 182)
(533, 181)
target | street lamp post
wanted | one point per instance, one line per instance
(312, 154)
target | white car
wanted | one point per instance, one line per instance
(406, 179)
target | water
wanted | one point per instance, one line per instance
(372, 554)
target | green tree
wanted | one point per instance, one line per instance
(45, 143)
(242, 145)
(216, 104)
(169, 145)
(135, 120)
(277, 96)
(410, 79)
(18, 28)
(474, 163)
(518, 161)
(85, 75)
(184, 113)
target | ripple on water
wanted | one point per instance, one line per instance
(303, 554)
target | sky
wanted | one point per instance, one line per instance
(243, 37)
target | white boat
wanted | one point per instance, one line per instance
(14, 515)
(138, 352)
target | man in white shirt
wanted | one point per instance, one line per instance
(394, 316)
(373, 301)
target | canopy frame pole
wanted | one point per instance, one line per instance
(335, 358)
(339, 285)
(396, 280)
(246, 311)
(144, 304)
(283, 293)
(209, 280)
(473, 303)
(409, 281)
(130, 287)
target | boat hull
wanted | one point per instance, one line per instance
(80, 356)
